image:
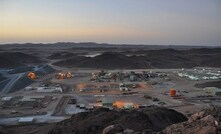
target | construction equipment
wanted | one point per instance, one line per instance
(69, 75)
(60, 76)
(64, 75)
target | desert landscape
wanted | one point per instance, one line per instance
(110, 67)
(46, 85)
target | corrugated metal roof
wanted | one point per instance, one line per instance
(6, 98)
(107, 100)
(26, 119)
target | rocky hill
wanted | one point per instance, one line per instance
(61, 55)
(204, 122)
(106, 60)
(141, 59)
(15, 59)
(152, 119)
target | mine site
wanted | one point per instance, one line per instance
(47, 88)
(110, 67)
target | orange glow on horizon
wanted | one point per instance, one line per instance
(31, 33)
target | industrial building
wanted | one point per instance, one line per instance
(133, 78)
(6, 99)
(122, 87)
(28, 88)
(30, 101)
(49, 90)
(107, 102)
(200, 74)
(25, 120)
(213, 91)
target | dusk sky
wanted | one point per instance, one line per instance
(162, 22)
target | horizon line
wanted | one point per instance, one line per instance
(100, 43)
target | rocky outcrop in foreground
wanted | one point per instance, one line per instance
(204, 122)
(110, 121)
(149, 121)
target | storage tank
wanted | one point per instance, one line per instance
(172, 92)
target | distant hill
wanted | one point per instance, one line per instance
(164, 58)
(61, 55)
(90, 45)
(15, 59)
(106, 60)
